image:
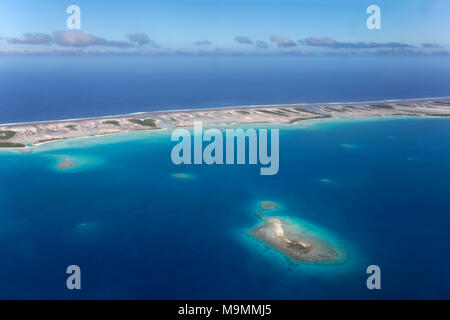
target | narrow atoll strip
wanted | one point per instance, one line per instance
(24, 135)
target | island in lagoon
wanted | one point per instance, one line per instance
(294, 239)
(296, 242)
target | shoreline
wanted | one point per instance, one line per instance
(298, 125)
(224, 108)
(22, 136)
(162, 131)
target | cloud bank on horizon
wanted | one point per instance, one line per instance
(70, 42)
(309, 27)
(78, 39)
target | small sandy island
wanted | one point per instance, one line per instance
(297, 243)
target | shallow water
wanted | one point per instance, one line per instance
(138, 231)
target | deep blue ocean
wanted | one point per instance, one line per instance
(53, 88)
(137, 231)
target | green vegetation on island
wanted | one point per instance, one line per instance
(72, 127)
(274, 112)
(7, 134)
(145, 122)
(286, 110)
(441, 103)
(382, 106)
(295, 245)
(438, 114)
(11, 145)
(112, 122)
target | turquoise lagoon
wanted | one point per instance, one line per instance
(140, 227)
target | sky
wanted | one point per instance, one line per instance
(305, 27)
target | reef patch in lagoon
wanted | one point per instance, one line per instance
(297, 242)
